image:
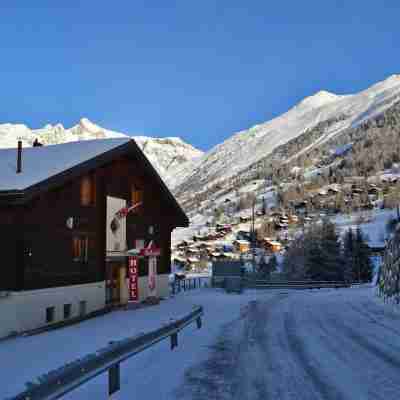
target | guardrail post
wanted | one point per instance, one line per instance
(107, 360)
(114, 383)
(174, 340)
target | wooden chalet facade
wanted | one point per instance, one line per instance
(54, 228)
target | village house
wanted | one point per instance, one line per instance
(69, 213)
(242, 246)
(273, 246)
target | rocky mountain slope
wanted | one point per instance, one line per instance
(164, 153)
(315, 121)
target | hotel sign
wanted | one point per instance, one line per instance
(133, 274)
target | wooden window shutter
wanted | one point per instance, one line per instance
(76, 249)
(136, 195)
(88, 191)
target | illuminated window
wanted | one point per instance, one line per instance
(88, 191)
(136, 195)
(80, 249)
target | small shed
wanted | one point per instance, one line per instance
(226, 269)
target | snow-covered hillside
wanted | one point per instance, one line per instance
(248, 146)
(164, 153)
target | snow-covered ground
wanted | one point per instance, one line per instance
(305, 345)
(155, 373)
(375, 229)
(197, 224)
(288, 326)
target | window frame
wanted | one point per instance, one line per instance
(67, 311)
(80, 249)
(50, 314)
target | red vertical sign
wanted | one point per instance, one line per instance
(133, 278)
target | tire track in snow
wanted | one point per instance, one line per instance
(309, 363)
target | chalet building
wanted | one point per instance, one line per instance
(272, 246)
(64, 239)
(243, 246)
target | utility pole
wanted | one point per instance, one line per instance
(253, 234)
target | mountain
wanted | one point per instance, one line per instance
(164, 153)
(329, 113)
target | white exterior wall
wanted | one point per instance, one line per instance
(8, 316)
(162, 286)
(26, 310)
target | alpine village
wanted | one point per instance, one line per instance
(200, 200)
(75, 210)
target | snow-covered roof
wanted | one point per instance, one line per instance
(41, 163)
(242, 242)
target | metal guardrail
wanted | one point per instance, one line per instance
(61, 381)
(259, 284)
(180, 285)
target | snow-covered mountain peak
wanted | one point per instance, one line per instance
(319, 99)
(334, 113)
(163, 153)
(393, 77)
(390, 83)
(85, 123)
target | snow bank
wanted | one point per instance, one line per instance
(148, 373)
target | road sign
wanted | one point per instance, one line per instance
(133, 279)
(151, 250)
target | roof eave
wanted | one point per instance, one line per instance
(11, 197)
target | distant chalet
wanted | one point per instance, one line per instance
(61, 256)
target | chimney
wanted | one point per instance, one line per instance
(19, 157)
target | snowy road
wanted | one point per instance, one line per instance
(280, 344)
(333, 344)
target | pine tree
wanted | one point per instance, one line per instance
(294, 260)
(331, 251)
(348, 255)
(362, 263)
(312, 253)
(272, 264)
(323, 257)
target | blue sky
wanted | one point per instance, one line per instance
(201, 70)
